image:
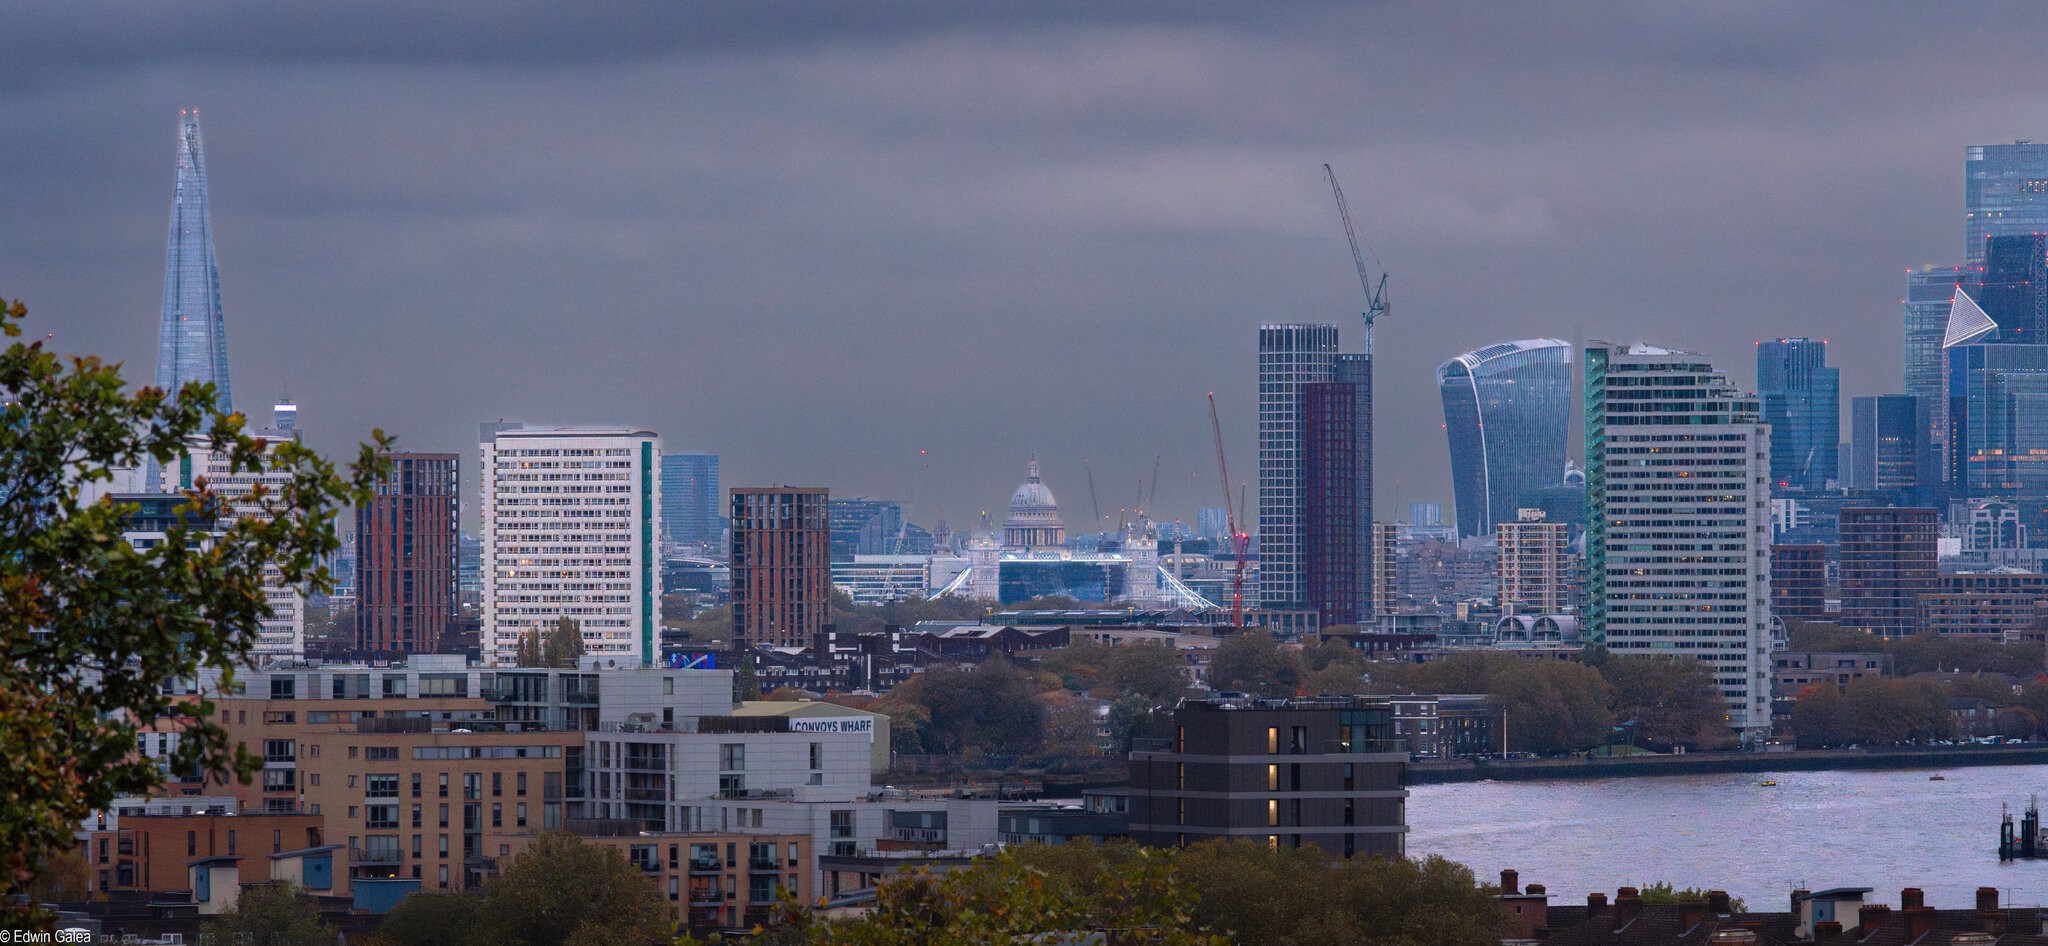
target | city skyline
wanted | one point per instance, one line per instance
(370, 228)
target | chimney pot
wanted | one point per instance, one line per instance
(1535, 890)
(1627, 893)
(1799, 896)
(1987, 899)
(1718, 903)
(1912, 897)
(1870, 916)
(1826, 930)
(1628, 904)
(1692, 913)
(1596, 904)
(1510, 882)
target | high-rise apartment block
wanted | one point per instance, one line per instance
(1311, 397)
(2005, 191)
(1532, 564)
(781, 565)
(1799, 582)
(405, 556)
(571, 517)
(690, 510)
(1678, 525)
(1889, 558)
(1507, 411)
(283, 633)
(1801, 398)
(1385, 569)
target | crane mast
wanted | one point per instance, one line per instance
(1375, 291)
(1240, 541)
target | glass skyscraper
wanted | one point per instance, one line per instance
(1802, 401)
(2005, 191)
(2014, 286)
(1889, 447)
(1507, 411)
(690, 511)
(1929, 291)
(192, 342)
(1997, 443)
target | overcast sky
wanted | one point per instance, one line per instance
(817, 239)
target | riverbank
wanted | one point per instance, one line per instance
(1527, 770)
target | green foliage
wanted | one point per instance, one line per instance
(1672, 701)
(1872, 711)
(1252, 662)
(1552, 706)
(564, 890)
(431, 918)
(270, 915)
(992, 708)
(564, 643)
(746, 684)
(1664, 893)
(1922, 653)
(65, 878)
(1154, 673)
(1210, 893)
(95, 628)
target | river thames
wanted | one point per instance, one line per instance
(1816, 830)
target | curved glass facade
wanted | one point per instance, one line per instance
(1507, 411)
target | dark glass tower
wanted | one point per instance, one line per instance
(2005, 191)
(2015, 287)
(192, 342)
(690, 513)
(1802, 401)
(1889, 450)
(1507, 409)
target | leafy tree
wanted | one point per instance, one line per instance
(564, 643)
(1136, 897)
(270, 915)
(1871, 711)
(1251, 662)
(1298, 897)
(564, 890)
(1125, 716)
(991, 708)
(1069, 723)
(1671, 701)
(95, 628)
(431, 918)
(1154, 673)
(746, 685)
(529, 649)
(65, 878)
(1081, 667)
(1664, 893)
(1552, 706)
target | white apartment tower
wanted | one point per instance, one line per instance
(1532, 564)
(571, 526)
(283, 633)
(1678, 540)
(1290, 356)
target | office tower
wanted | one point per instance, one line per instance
(690, 513)
(1799, 582)
(283, 633)
(1888, 444)
(1802, 402)
(1507, 412)
(1678, 517)
(1889, 557)
(1425, 514)
(1322, 773)
(781, 565)
(1930, 291)
(192, 342)
(2005, 191)
(406, 539)
(1996, 421)
(1531, 564)
(1385, 569)
(1290, 356)
(570, 517)
(1213, 523)
(864, 527)
(284, 415)
(2013, 287)
(1335, 532)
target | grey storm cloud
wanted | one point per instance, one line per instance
(820, 238)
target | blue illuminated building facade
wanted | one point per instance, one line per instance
(192, 342)
(690, 512)
(2005, 192)
(1507, 412)
(1802, 401)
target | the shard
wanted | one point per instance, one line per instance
(192, 343)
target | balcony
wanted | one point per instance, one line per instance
(706, 865)
(580, 698)
(707, 897)
(762, 865)
(358, 855)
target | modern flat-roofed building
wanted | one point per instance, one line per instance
(1799, 582)
(571, 520)
(781, 564)
(1889, 557)
(406, 539)
(1292, 773)
(1532, 564)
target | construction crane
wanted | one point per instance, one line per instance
(1240, 542)
(1375, 292)
(1089, 465)
(1152, 495)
